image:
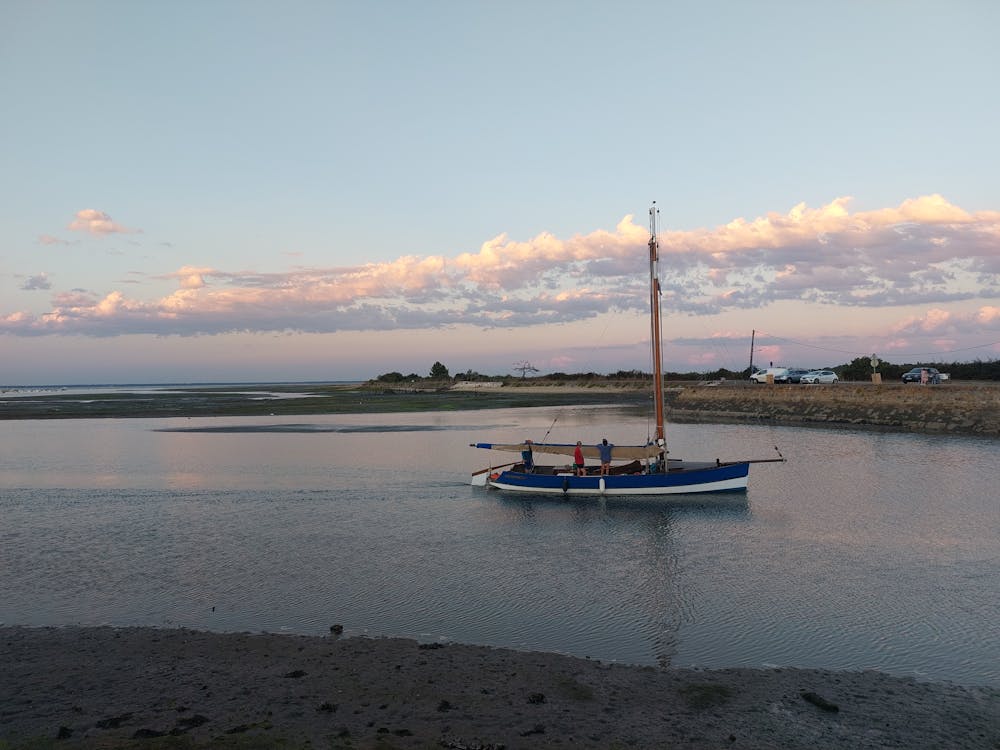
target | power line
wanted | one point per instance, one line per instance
(862, 354)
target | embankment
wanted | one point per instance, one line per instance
(961, 409)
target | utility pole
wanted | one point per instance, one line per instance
(753, 334)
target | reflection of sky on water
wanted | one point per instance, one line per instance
(865, 550)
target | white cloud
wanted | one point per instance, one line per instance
(924, 251)
(37, 282)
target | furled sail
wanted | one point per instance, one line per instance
(618, 452)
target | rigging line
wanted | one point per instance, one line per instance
(550, 428)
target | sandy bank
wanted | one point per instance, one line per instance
(102, 687)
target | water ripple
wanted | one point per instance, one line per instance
(859, 553)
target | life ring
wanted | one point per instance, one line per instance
(494, 476)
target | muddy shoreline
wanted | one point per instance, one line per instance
(152, 688)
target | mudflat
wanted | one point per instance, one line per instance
(152, 688)
(961, 408)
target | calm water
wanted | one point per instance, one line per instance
(865, 550)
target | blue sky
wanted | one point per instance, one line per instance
(246, 191)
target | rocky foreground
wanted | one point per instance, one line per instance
(150, 688)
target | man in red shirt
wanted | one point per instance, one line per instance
(581, 468)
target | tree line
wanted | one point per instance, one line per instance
(857, 369)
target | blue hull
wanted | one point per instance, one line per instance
(731, 478)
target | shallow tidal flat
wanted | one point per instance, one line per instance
(286, 400)
(961, 409)
(952, 408)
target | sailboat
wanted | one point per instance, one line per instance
(647, 471)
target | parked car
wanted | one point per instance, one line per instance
(795, 374)
(916, 375)
(780, 375)
(819, 376)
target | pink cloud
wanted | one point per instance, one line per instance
(92, 221)
(48, 239)
(988, 315)
(191, 277)
(924, 251)
(937, 321)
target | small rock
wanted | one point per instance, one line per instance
(444, 706)
(328, 708)
(820, 702)
(64, 733)
(337, 629)
(192, 721)
(296, 674)
(536, 698)
(143, 734)
(113, 722)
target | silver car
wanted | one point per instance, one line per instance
(820, 376)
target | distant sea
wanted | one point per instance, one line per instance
(170, 386)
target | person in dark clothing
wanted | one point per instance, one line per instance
(604, 448)
(527, 457)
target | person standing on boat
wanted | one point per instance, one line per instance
(581, 467)
(604, 448)
(527, 457)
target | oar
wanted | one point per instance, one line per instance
(779, 460)
(501, 466)
(752, 461)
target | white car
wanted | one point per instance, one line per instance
(780, 375)
(819, 376)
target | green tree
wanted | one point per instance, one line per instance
(439, 371)
(859, 369)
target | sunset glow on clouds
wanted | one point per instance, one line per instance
(924, 251)
(91, 221)
(287, 199)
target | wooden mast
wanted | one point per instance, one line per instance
(654, 309)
